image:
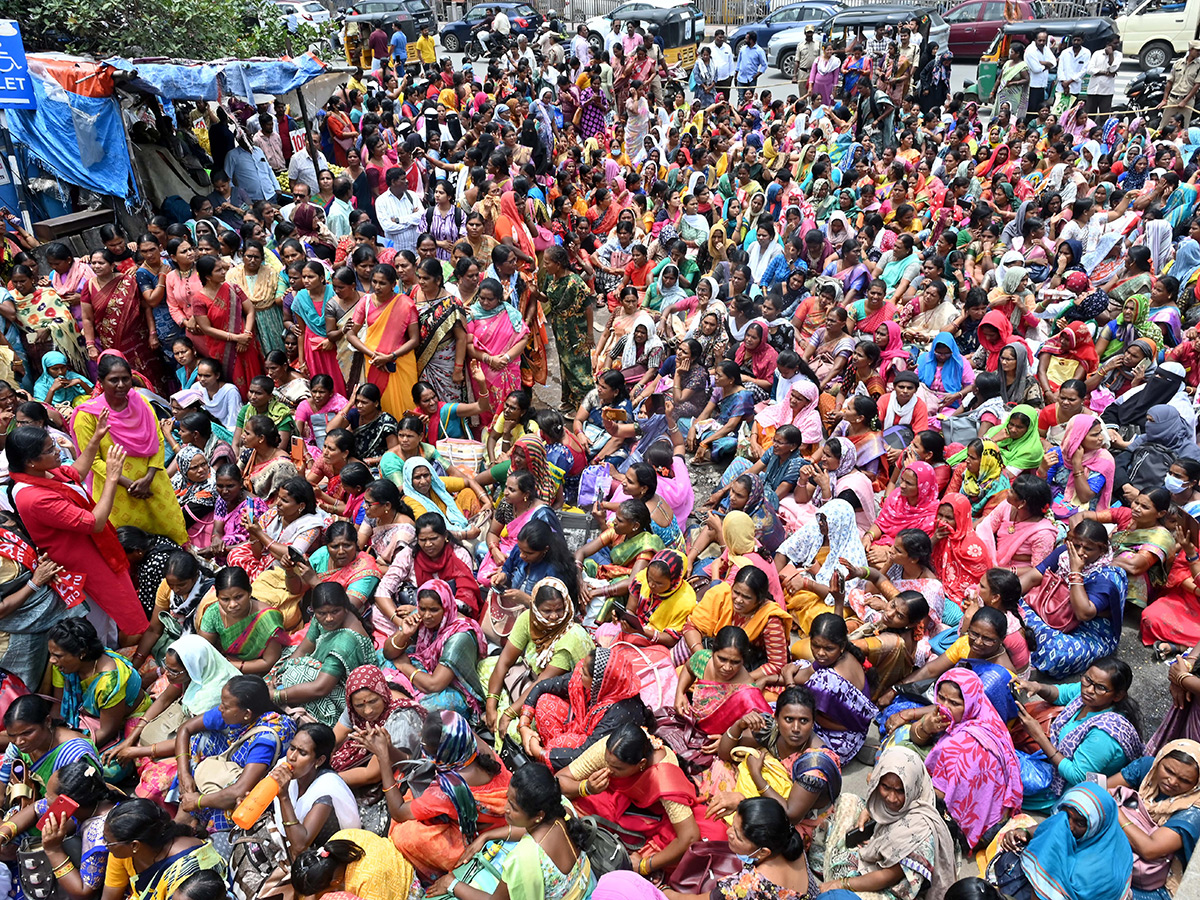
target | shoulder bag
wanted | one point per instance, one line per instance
(219, 772)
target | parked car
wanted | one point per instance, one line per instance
(302, 12)
(524, 20)
(782, 52)
(601, 28)
(385, 12)
(974, 24)
(807, 12)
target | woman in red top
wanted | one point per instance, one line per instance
(65, 523)
(225, 317)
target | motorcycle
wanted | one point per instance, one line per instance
(1145, 92)
(496, 46)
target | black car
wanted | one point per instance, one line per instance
(385, 12)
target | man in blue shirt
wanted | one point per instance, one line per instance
(751, 63)
(399, 45)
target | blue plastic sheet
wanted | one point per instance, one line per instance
(242, 78)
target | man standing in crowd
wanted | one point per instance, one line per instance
(751, 63)
(1040, 60)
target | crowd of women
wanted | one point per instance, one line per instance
(869, 446)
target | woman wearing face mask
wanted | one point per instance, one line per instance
(1079, 851)
(909, 847)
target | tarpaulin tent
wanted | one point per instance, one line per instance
(242, 77)
(75, 132)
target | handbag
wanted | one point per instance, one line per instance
(704, 864)
(1148, 874)
(34, 871)
(498, 624)
(604, 848)
(960, 429)
(219, 772)
(163, 726)
(485, 870)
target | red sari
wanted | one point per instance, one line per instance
(120, 325)
(961, 559)
(225, 312)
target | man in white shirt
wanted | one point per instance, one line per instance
(501, 27)
(525, 52)
(300, 169)
(1072, 67)
(1040, 60)
(581, 48)
(400, 212)
(1103, 67)
(723, 62)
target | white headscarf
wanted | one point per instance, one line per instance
(629, 355)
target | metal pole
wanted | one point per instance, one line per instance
(312, 150)
(15, 173)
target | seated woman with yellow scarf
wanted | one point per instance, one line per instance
(660, 601)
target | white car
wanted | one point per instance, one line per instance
(600, 28)
(307, 12)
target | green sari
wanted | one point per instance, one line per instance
(336, 653)
(569, 297)
(247, 638)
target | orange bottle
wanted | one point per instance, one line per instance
(256, 803)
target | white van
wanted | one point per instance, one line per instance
(1156, 30)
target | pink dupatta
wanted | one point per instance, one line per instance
(1099, 460)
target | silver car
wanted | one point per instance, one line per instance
(781, 53)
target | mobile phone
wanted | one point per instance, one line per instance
(62, 807)
(1192, 526)
(857, 836)
(295, 555)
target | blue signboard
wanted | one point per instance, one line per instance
(16, 86)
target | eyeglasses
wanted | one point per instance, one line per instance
(1095, 686)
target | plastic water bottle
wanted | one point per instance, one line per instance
(260, 797)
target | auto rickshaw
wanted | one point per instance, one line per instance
(679, 27)
(1096, 31)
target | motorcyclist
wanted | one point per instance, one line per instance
(493, 37)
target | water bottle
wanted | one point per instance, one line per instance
(260, 797)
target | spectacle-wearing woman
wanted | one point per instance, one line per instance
(910, 848)
(150, 857)
(113, 319)
(1098, 730)
(248, 727)
(1076, 611)
(225, 319)
(432, 830)
(194, 491)
(314, 674)
(438, 650)
(142, 500)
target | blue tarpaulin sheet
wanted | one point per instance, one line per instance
(242, 78)
(79, 139)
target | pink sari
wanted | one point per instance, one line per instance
(493, 333)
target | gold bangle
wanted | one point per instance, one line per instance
(583, 789)
(386, 789)
(64, 870)
(290, 824)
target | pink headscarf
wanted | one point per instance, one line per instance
(135, 427)
(428, 650)
(974, 764)
(806, 418)
(895, 347)
(1099, 460)
(897, 513)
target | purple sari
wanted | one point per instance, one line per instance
(839, 700)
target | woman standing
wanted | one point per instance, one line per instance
(570, 305)
(308, 309)
(113, 319)
(145, 500)
(258, 276)
(1012, 87)
(442, 348)
(498, 336)
(392, 334)
(225, 317)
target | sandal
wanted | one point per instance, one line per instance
(1163, 650)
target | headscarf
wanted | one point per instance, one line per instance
(613, 680)
(898, 514)
(455, 751)
(1098, 866)
(806, 418)
(135, 427)
(629, 353)
(1133, 180)
(952, 369)
(208, 673)
(428, 649)
(538, 465)
(1013, 276)
(1162, 809)
(368, 678)
(55, 358)
(451, 515)
(1098, 460)
(974, 763)
(1026, 452)
(545, 632)
(1128, 332)
(895, 349)
(1001, 323)
(1187, 261)
(845, 542)
(1162, 387)
(1166, 427)
(1158, 242)
(764, 357)
(680, 596)
(184, 489)
(737, 530)
(901, 833)
(961, 559)
(990, 480)
(1074, 341)
(1021, 378)
(508, 209)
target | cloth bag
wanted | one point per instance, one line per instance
(219, 772)
(1148, 874)
(704, 864)
(163, 726)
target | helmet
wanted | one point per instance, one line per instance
(552, 13)
(653, 29)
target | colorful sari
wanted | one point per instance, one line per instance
(163, 879)
(622, 555)
(569, 297)
(458, 644)
(105, 689)
(225, 312)
(1159, 542)
(961, 559)
(120, 325)
(337, 653)
(265, 290)
(436, 348)
(494, 333)
(717, 705)
(312, 316)
(1098, 865)
(360, 577)
(42, 308)
(247, 638)
(840, 701)
(387, 330)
